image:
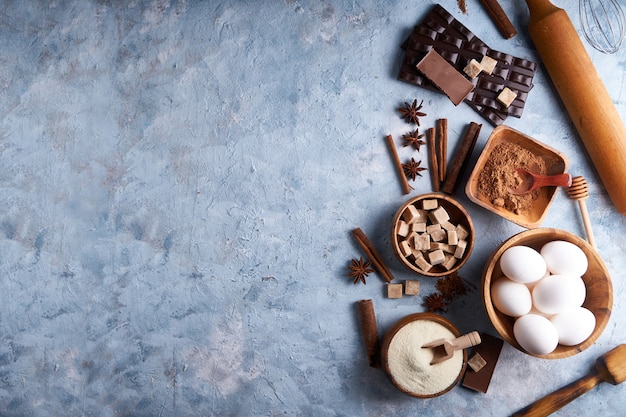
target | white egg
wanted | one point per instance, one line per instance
(531, 285)
(574, 326)
(536, 334)
(564, 258)
(510, 297)
(522, 264)
(557, 293)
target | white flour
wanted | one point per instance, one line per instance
(409, 363)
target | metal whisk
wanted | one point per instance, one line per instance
(603, 24)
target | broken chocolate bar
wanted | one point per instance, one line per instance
(440, 31)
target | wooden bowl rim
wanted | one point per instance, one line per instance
(384, 349)
(550, 234)
(448, 200)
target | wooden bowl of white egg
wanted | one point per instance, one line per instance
(548, 293)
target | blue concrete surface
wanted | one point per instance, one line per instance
(179, 182)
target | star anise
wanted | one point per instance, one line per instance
(414, 138)
(411, 112)
(360, 269)
(435, 303)
(413, 169)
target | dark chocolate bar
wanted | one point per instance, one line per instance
(458, 45)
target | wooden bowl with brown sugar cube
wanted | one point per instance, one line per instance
(432, 234)
(494, 176)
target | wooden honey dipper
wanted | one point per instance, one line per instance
(579, 191)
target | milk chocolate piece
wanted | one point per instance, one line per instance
(489, 349)
(441, 73)
(458, 45)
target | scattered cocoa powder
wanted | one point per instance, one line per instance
(499, 176)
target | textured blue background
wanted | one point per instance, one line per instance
(179, 182)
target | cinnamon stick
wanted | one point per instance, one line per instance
(406, 188)
(500, 18)
(370, 332)
(442, 147)
(372, 254)
(432, 158)
(462, 157)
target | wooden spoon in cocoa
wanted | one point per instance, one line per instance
(531, 181)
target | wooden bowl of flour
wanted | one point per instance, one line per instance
(408, 364)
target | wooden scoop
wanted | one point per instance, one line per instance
(610, 367)
(531, 181)
(444, 349)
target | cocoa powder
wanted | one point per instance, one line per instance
(498, 177)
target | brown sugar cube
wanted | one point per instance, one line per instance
(506, 96)
(436, 257)
(488, 64)
(419, 227)
(423, 264)
(411, 287)
(461, 232)
(417, 253)
(449, 262)
(460, 249)
(394, 290)
(476, 362)
(439, 216)
(422, 242)
(453, 238)
(409, 213)
(405, 248)
(450, 249)
(429, 204)
(448, 226)
(431, 228)
(439, 245)
(473, 68)
(402, 229)
(439, 235)
(412, 214)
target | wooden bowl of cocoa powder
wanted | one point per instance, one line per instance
(494, 175)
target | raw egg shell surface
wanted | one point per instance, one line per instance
(522, 264)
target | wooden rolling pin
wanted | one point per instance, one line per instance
(610, 367)
(583, 93)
